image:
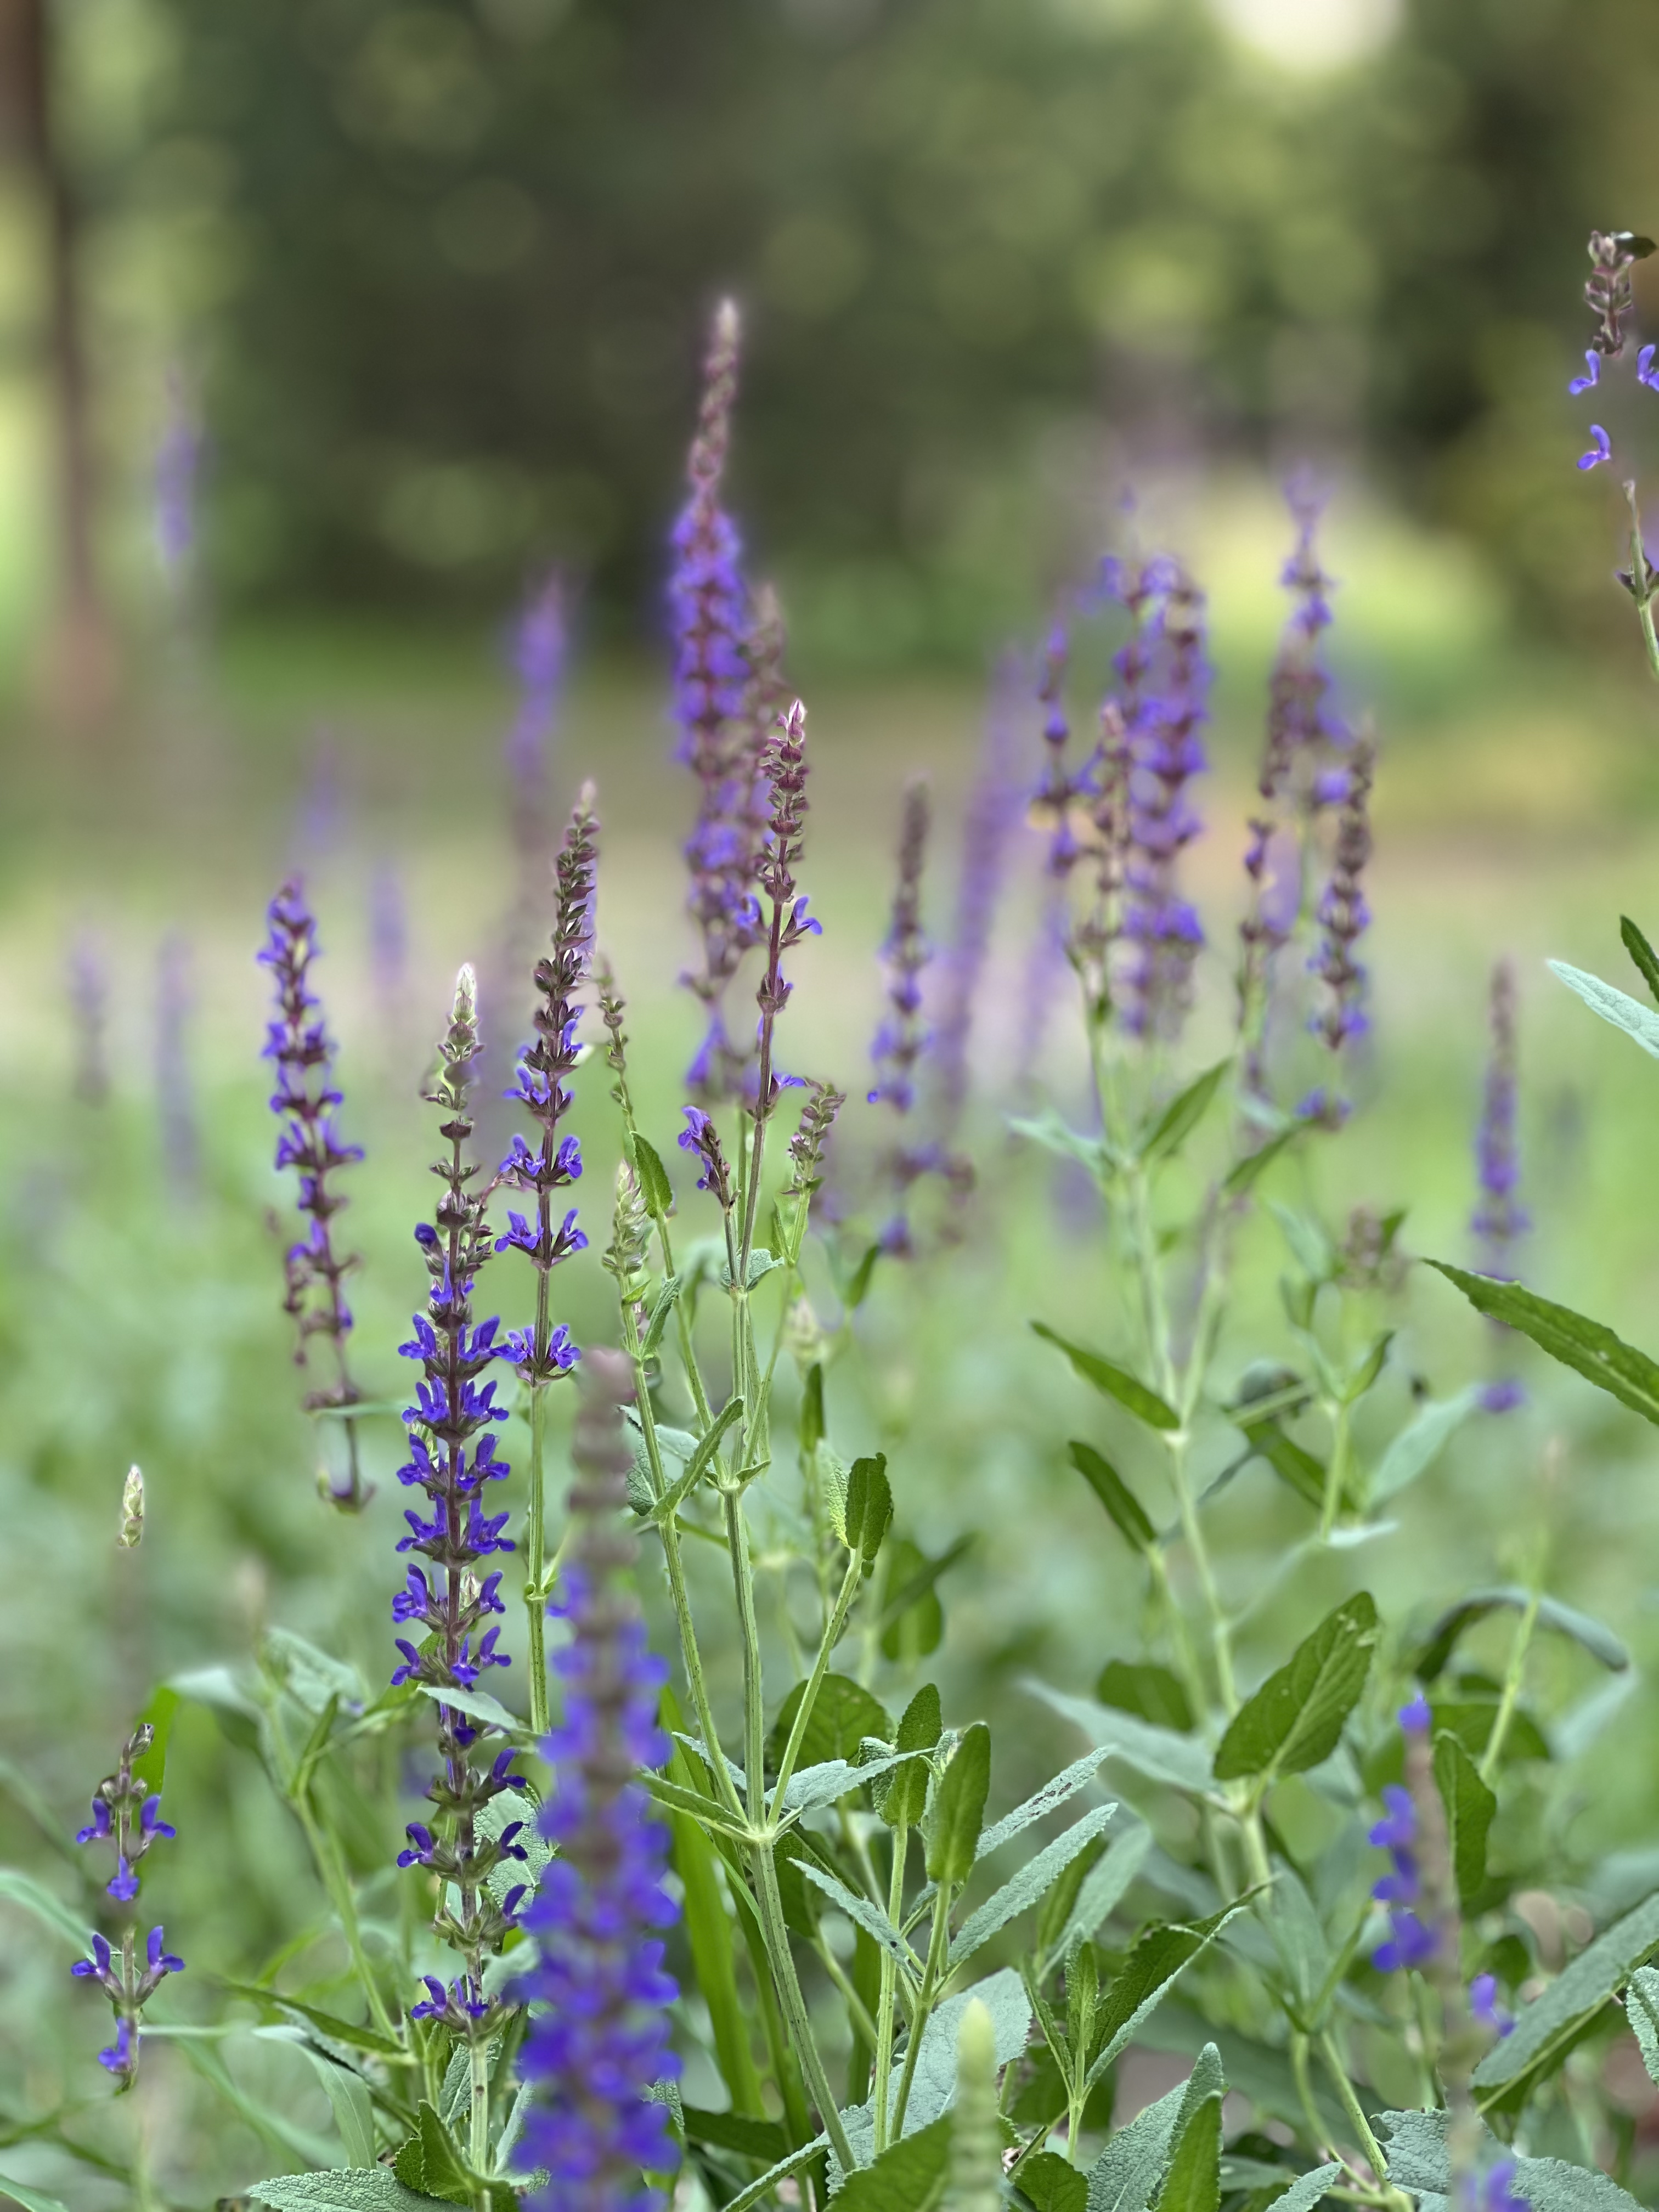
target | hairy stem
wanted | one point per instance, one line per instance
(883, 2046)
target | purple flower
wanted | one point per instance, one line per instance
(1592, 376)
(298, 1045)
(538, 657)
(1492, 2190)
(452, 1455)
(178, 460)
(598, 2040)
(1415, 1717)
(1342, 913)
(1645, 372)
(904, 1035)
(1483, 2003)
(1409, 1942)
(701, 1138)
(126, 1815)
(1499, 1220)
(1502, 1397)
(1601, 448)
(554, 1160)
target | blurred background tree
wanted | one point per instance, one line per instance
(440, 270)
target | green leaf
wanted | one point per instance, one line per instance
(1054, 1793)
(812, 1429)
(911, 1578)
(900, 1796)
(1102, 1888)
(708, 1930)
(697, 1464)
(22, 1889)
(933, 2089)
(1642, 2010)
(327, 2025)
(1113, 1381)
(1029, 1886)
(1415, 2145)
(1592, 1350)
(858, 1289)
(354, 2113)
(1054, 1136)
(1300, 1942)
(1295, 1719)
(1636, 1021)
(32, 2200)
(1470, 1806)
(1291, 1461)
(151, 1769)
(310, 1676)
(656, 1324)
(1052, 2184)
(1306, 2191)
(1115, 1494)
(1243, 1176)
(1151, 1691)
(479, 1705)
(909, 2176)
(844, 1714)
(430, 2161)
(1435, 1654)
(1158, 1753)
(803, 2155)
(274, 2128)
(760, 2140)
(958, 1813)
(1124, 2176)
(1641, 952)
(1546, 2029)
(1183, 1113)
(1420, 1442)
(869, 1507)
(654, 1187)
(863, 1914)
(1193, 2182)
(1159, 1957)
(378, 2189)
(218, 1689)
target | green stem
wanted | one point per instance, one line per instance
(832, 1628)
(478, 2134)
(1512, 1680)
(775, 1933)
(1336, 1473)
(535, 1545)
(884, 2045)
(338, 1888)
(924, 2005)
(1352, 2108)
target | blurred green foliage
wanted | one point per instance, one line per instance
(445, 266)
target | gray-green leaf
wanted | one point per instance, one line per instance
(1414, 1450)
(958, 1813)
(1613, 1005)
(375, 2190)
(1546, 2028)
(1642, 2010)
(22, 1889)
(1053, 1795)
(1031, 1884)
(1103, 1886)
(1157, 1752)
(1470, 1806)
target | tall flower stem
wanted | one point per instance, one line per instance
(1644, 583)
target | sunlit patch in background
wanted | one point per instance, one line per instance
(1311, 35)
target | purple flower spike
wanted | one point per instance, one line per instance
(298, 1045)
(1592, 376)
(1645, 372)
(126, 1817)
(1415, 1716)
(452, 1457)
(1601, 448)
(1499, 1220)
(598, 2040)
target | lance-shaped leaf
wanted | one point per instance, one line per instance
(1113, 1381)
(933, 2089)
(1115, 1494)
(1438, 1647)
(1037, 1806)
(1546, 2030)
(762, 2140)
(1102, 1888)
(900, 1795)
(1193, 2182)
(1641, 952)
(1638, 1021)
(698, 1464)
(1642, 2010)
(1419, 2160)
(1158, 1753)
(869, 1507)
(863, 1914)
(1293, 1464)
(1029, 1886)
(1586, 1345)
(30, 2199)
(1159, 1957)
(19, 1888)
(1470, 1806)
(803, 2155)
(957, 1812)
(1420, 1444)
(654, 1187)
(1295, 1719)
(1183, 1114)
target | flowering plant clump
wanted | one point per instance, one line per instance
(720, 1888)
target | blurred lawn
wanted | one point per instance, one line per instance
(1518, 812)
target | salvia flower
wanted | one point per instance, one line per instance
(1601, 448)
(544, 1353)
(992, 812)
(783, 764)
(298, 1044)
(1343, 915)
(714, 696)
(1411, 1942)
(126, 1815)
(1485, 2007)
(445, 1601)
(538, 659)
(88, 998)
(1165, 678)
(598, 2038)
(1499, 1220)
(1491, 2190)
